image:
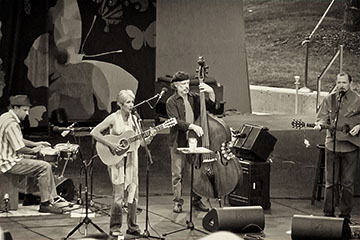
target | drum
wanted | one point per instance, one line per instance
(67, 150)
(49, 155)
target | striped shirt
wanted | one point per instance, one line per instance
(11, 140)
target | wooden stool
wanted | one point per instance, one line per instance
(319, 176)
(9, 185)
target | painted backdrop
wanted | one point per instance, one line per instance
(76, 55)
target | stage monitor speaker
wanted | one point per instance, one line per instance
(257, 144)
(319, 228)
(235, 219)
(65, 188)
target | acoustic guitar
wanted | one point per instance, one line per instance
(342, 130)
(126, 141)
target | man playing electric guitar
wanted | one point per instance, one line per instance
(346, 104)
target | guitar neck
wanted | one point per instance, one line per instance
(323, 126)
(145, 133)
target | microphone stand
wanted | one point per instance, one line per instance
(149, 162)
(147, 101)
(334, 151)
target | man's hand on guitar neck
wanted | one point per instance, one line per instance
(355, 130)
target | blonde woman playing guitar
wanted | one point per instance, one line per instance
(117, 123)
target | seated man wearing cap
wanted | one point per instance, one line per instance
(185, 107)
(13, 147)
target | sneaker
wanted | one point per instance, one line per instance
(49, 208)
(135, 232)
(177, 208)
(30, 199)
(115, 233)
(199, 206)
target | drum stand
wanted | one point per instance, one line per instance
(86, 219)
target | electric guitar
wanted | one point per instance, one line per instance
(342, 130)
(126, 141)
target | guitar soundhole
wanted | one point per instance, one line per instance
(123, 143)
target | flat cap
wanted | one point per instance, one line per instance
(20, 100)
(180, 76)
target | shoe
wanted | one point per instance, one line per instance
(135, 232)
(61, 202)
(30, 199)
(177, 208)
(115, 233)
(49, 208)
(199, 206)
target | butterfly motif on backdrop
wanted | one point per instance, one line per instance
(142, 38)
(86, 84)
(111, 11)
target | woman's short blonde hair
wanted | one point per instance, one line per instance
(124, 95)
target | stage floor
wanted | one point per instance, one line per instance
(278, 220)
(291, 178)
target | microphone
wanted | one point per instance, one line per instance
(64, 130)
(341, 93)
(163, 91)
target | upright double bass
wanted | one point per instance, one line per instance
(216, 174)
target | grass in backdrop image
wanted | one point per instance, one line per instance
(275, 30)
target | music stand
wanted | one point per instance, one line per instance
(187, 151)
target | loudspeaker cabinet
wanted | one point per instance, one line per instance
(255, 188)
(257, 144)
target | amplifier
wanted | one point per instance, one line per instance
(255, 188)
(257, 145)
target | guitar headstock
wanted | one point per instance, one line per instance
(298, 123)
(170, 123)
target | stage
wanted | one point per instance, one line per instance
(292, 174)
